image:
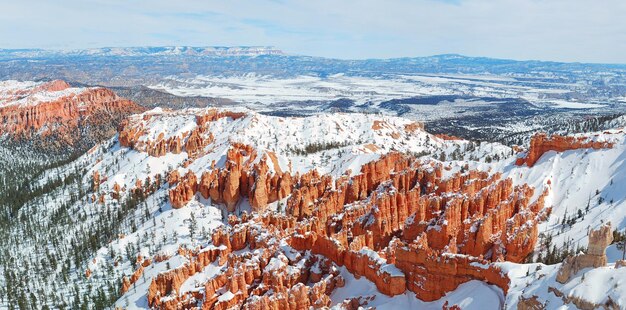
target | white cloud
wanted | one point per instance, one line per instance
(569, 30)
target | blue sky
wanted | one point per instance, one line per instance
(561, 30)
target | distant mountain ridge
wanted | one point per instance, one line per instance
(223, 51)
(247, 51)
(153, 63)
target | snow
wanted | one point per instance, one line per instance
(265, 91)
(275, 264)
(575, 105)
(196, 282)
(471, 295)
(595, 285)
(392, 270)
(282, 136)
(226, 296)
(598, 285)
(575, 176)
(168, 223)
(252, 88)
(22, 94)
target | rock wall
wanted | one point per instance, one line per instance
(184, 191)
(430, 274)
(194, 141)
(132, 134)
(261, 279)
(541, 143)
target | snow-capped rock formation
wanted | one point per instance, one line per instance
(320, 194)
(584, 281)
(541, 143)
(56, 113)
(231, 208)
(355, 229)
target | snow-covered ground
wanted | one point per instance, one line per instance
(261, 90)
(472, 295)
(357, 142)
(594, 285)
(592, 182)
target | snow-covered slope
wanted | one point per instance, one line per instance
(565, 174)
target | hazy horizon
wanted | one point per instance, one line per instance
(68, 50)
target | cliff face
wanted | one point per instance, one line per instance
(541, 143)
(54, 115)
(398, 223)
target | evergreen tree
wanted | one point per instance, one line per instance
(193, 226)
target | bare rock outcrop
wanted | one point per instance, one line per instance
(595, 257)
(541, 143)
(184, 191)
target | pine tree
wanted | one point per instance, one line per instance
(193, 226)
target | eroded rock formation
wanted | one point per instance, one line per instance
(595, 256)
(541, 143)
(241, 177)
(398, 223)
(133, 134)
(54, 115)
(184, 191)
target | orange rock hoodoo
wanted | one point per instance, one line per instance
(398, 223)
(238, 178)
(184, 191)
(213, 115)
(540, 144)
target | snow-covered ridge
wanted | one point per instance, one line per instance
(351, 135)
(345, 141)
(29, 93)
(330, 143)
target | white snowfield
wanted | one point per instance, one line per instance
(23, 94)
(261, 91)
(572, 178)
